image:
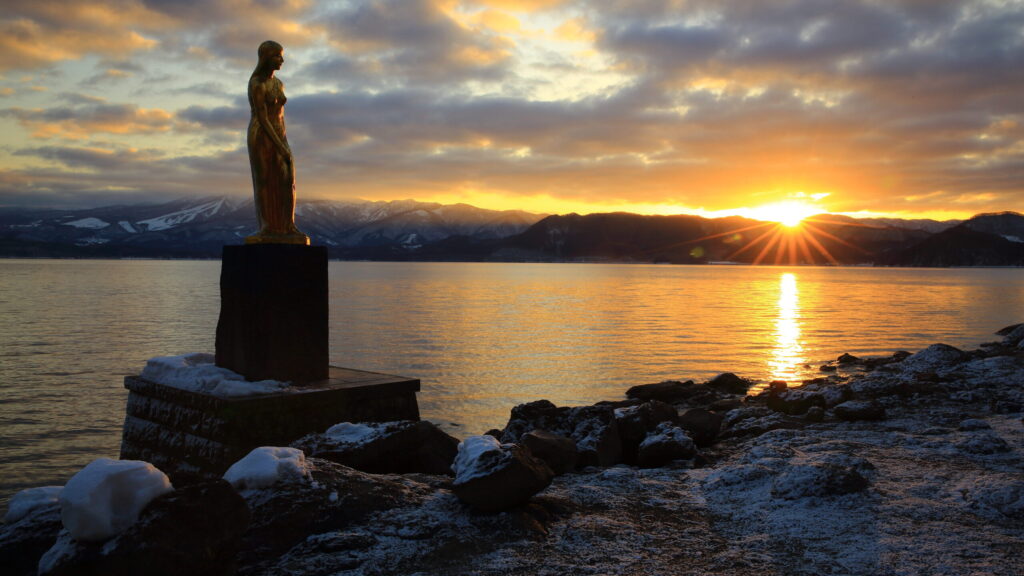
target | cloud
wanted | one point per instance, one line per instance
(85, 120)
(884, 106)
(415, 41)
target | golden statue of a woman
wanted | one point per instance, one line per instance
(273, 168)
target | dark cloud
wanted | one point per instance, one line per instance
(414, 41)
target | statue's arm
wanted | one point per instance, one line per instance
(259, 100)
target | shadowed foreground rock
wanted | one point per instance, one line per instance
(594, 429)
(558, 452)
(194, 530)
(23, 542)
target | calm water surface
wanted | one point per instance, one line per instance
(481, 337)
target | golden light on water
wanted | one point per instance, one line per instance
(787, 356)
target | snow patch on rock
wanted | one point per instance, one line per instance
(354, 434)
(477, 456)
(266, 466)
(25, 502)
(106, 497)
(197, 373)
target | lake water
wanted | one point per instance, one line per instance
(481, 337)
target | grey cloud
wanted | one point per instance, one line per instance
(413, 40)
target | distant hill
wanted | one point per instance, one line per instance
(985, 240)
(411, 230)
(200, 227)
(695, 240)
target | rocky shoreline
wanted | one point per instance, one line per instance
(908, 464)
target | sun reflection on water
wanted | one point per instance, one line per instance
(787, 356)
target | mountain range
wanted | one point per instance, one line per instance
(412, 230)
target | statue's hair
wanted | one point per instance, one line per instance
(264, 51)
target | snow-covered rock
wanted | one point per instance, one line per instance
(934, 357)
(106, 497)
(25, 502)
(491, 476)
(667, 442)
(197, 372)
(382, 447)
(266, 466)
(194, 530)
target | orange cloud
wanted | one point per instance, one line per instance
(83, 122)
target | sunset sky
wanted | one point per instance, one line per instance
(912, 108)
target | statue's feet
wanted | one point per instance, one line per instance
(291, 236)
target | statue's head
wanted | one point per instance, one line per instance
(271, 55)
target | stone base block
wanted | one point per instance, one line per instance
(273, 321)
(180, 431)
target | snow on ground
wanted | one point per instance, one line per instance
(127, 226)
(197, 373)
(88, 223)
(266, 466)
(106, 497)
(24, 502)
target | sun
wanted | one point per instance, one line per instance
(789, 213)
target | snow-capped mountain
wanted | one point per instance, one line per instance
(200, 226)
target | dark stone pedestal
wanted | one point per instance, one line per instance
(273, 312)
(187, 432)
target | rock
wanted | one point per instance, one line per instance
(664, 444)
(754, 421)
(26, 535)
(701, 425)
(972, 424)
(817, 479)
(1014, 336)
(596, 433)
(859, 410)
(636, 422)
(725, 404)
(537, 415)
(594, 429)
(827, 368)
(848, 358)
(193, 530)
(492, 432)
(389, 447)
(730, 383)
(794, 401)
(268, 465)
(934, 357)
(668, 391)
(777, 386)
(815, 414)
(337, 497)
(107, 496)
(1008, 329)
(983, 442)
(491, 477)
(558, 452)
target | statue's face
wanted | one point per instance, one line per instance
(276, 59)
